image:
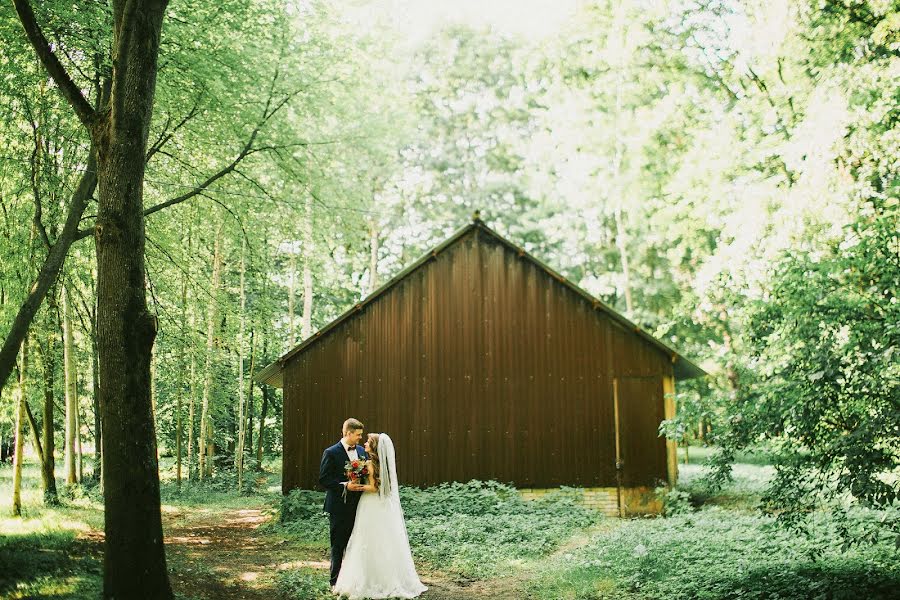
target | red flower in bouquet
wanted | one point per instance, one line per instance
(356, 471)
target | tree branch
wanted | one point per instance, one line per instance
(86, 114)
(166, 135)
(49, 271)
(34, 431)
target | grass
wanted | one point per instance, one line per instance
(41, 554)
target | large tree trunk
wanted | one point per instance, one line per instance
(134, 560)
(71, 395)
(206, 431)
(20, 437)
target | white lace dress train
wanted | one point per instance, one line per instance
(378, 562)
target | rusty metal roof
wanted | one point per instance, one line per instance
(683, 368)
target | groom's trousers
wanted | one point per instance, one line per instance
(341, 528)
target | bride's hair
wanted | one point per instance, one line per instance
(376, 462)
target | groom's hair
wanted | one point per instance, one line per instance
(352, 425)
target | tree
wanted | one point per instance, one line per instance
(134, 559)
(19, 454)
(824, 340)
(818, 317)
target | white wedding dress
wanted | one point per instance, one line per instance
(378, 562)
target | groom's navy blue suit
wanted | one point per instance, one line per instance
(341, 509)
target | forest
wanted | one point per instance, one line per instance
(188, 190)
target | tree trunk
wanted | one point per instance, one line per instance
(239, 448)
(307, 271)
(153, 387)
(20, 436)
(244, 424)
(192, 394)
(262, 428)
(48, 464)
(622, 245)
(292, 293)
(250, 412)
(35, 433)
(181, 383)
(373, 255)
(98, 430)
(205, 447)
(71, 390)
(134, 559)
(618, 39)
(192, 370)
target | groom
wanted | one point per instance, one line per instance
(341, 505)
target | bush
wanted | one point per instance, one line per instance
(301, 504)
(677, 502)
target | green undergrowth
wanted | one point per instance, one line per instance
(473, 530)
(306, 583)
(40, 553)
(717, 553)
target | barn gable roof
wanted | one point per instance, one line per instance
(683, 368)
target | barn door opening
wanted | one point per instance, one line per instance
(640, 452)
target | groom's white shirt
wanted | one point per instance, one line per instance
(352, 454)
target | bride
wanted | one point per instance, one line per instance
(378, 562)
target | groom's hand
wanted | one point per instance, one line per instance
(354, 487)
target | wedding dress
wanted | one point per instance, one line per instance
(378, 562)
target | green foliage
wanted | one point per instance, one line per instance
(472, 530)
(677, 502)
(824, 339)
(717, 554)
(741, 156)
(300, 505)
(304, 583)
(303, 518)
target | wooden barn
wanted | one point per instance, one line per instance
(484, 363)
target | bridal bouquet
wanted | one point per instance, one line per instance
(356, 471)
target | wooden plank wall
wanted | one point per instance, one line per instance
(479, 366)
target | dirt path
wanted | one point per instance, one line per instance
(224, 555)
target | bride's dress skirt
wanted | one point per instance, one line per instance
(378, 562)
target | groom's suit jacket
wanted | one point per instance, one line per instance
(332, 475)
